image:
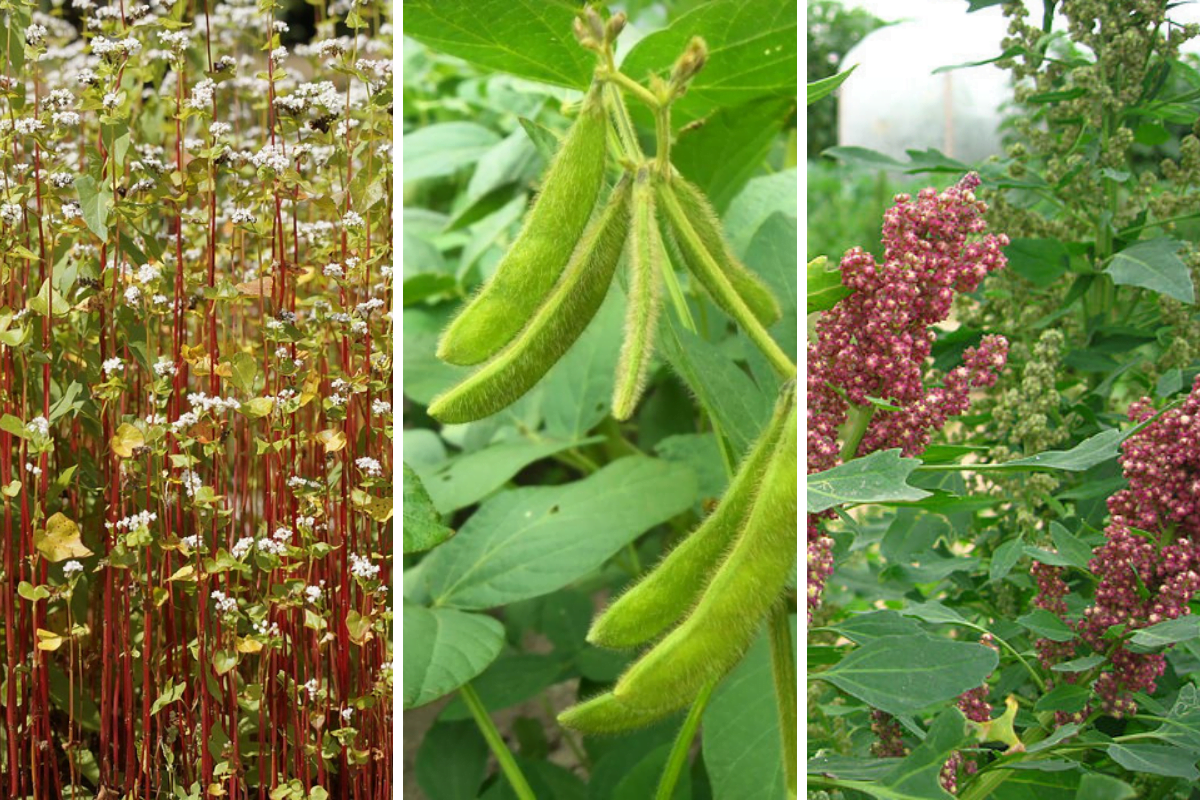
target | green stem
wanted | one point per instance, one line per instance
(783, 668)
(662, 132)
(623, 81)
(677, 760)
(508, 765)
(625, 130)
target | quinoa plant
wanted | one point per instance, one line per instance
(195, 400)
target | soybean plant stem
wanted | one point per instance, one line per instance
(677, 759)
(633, 87)
(783, 668)
(508, 765)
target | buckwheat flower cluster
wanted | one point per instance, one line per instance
(876, 342)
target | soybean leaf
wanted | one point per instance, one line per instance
(825, 86)
(905, 674)
(529, 38)
(1157, 759)
(741, 743)
(533, 540)
(1154, 265)
(824, 285)
(578, 389)
(1172, 631)
(423, 528)
(1046, 625)
(700, 452)
(508, 681)
(443, 649)
(761, 197)
(721, 155)
(452, 761)
(917, 775)
(443, 148)
(642, 777)
(751, 53)
(738, 406)
(879, 477)
(468, 478)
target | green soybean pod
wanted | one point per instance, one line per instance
(605, 714)
(534, 262)
(724, 622)
(645, 260)
(705, 268)
(554, 327)
(666, 593)
(750, 287)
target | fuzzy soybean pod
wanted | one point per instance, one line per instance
(605, 714)
(724, 622)
(554, 327)
(703, 265)
(750, 288)
(534, 263)
(645, 259)
(666, 593)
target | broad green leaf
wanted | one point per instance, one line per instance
(1068, 697)
(700, 452)
(468, 478)
(423, 528)
(1094, 786)
(1039, 261)
(849, 767)
(642, 777)
(1154, 265)
(509, 680)
(244, 371)
(917, 775)
(1079, 664)
(1046, 625)
(443, 148)
(1070, 547)
(577, 391)
(60, 540)
(12, 425)
(1157, 759)
(905, 674)
(1005, 558)
(862, 628)
(824, 285)
(443, 649)
(1094, 450)
(731, 145)
(171, 692)
(1182, 725)
(529, 38)
(761, 197)
(32, 593)
(727, 393)
(95, 200)
(879, 477)
(772, 254)
(533, 540)
(825, 86)
(1172, 631)
(741, 743)
(544, 139)
(452, 761)
(751, 54)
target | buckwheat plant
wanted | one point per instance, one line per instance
(195, 416)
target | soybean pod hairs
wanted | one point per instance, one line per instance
(645, 258)
(535, 261)
(748, 581)
(753, 291)
(553, 328)
(666, 593)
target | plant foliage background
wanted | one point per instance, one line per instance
(195, 399)
(536, 515)
(1004, 610)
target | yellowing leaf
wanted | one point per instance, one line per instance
(359, 628)
(49, 640)
(60, 540)
(249, 645)
(334, 440)
(377, 508)
(187, 573)
(261, 287)
(126, 440)
(258, 407)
